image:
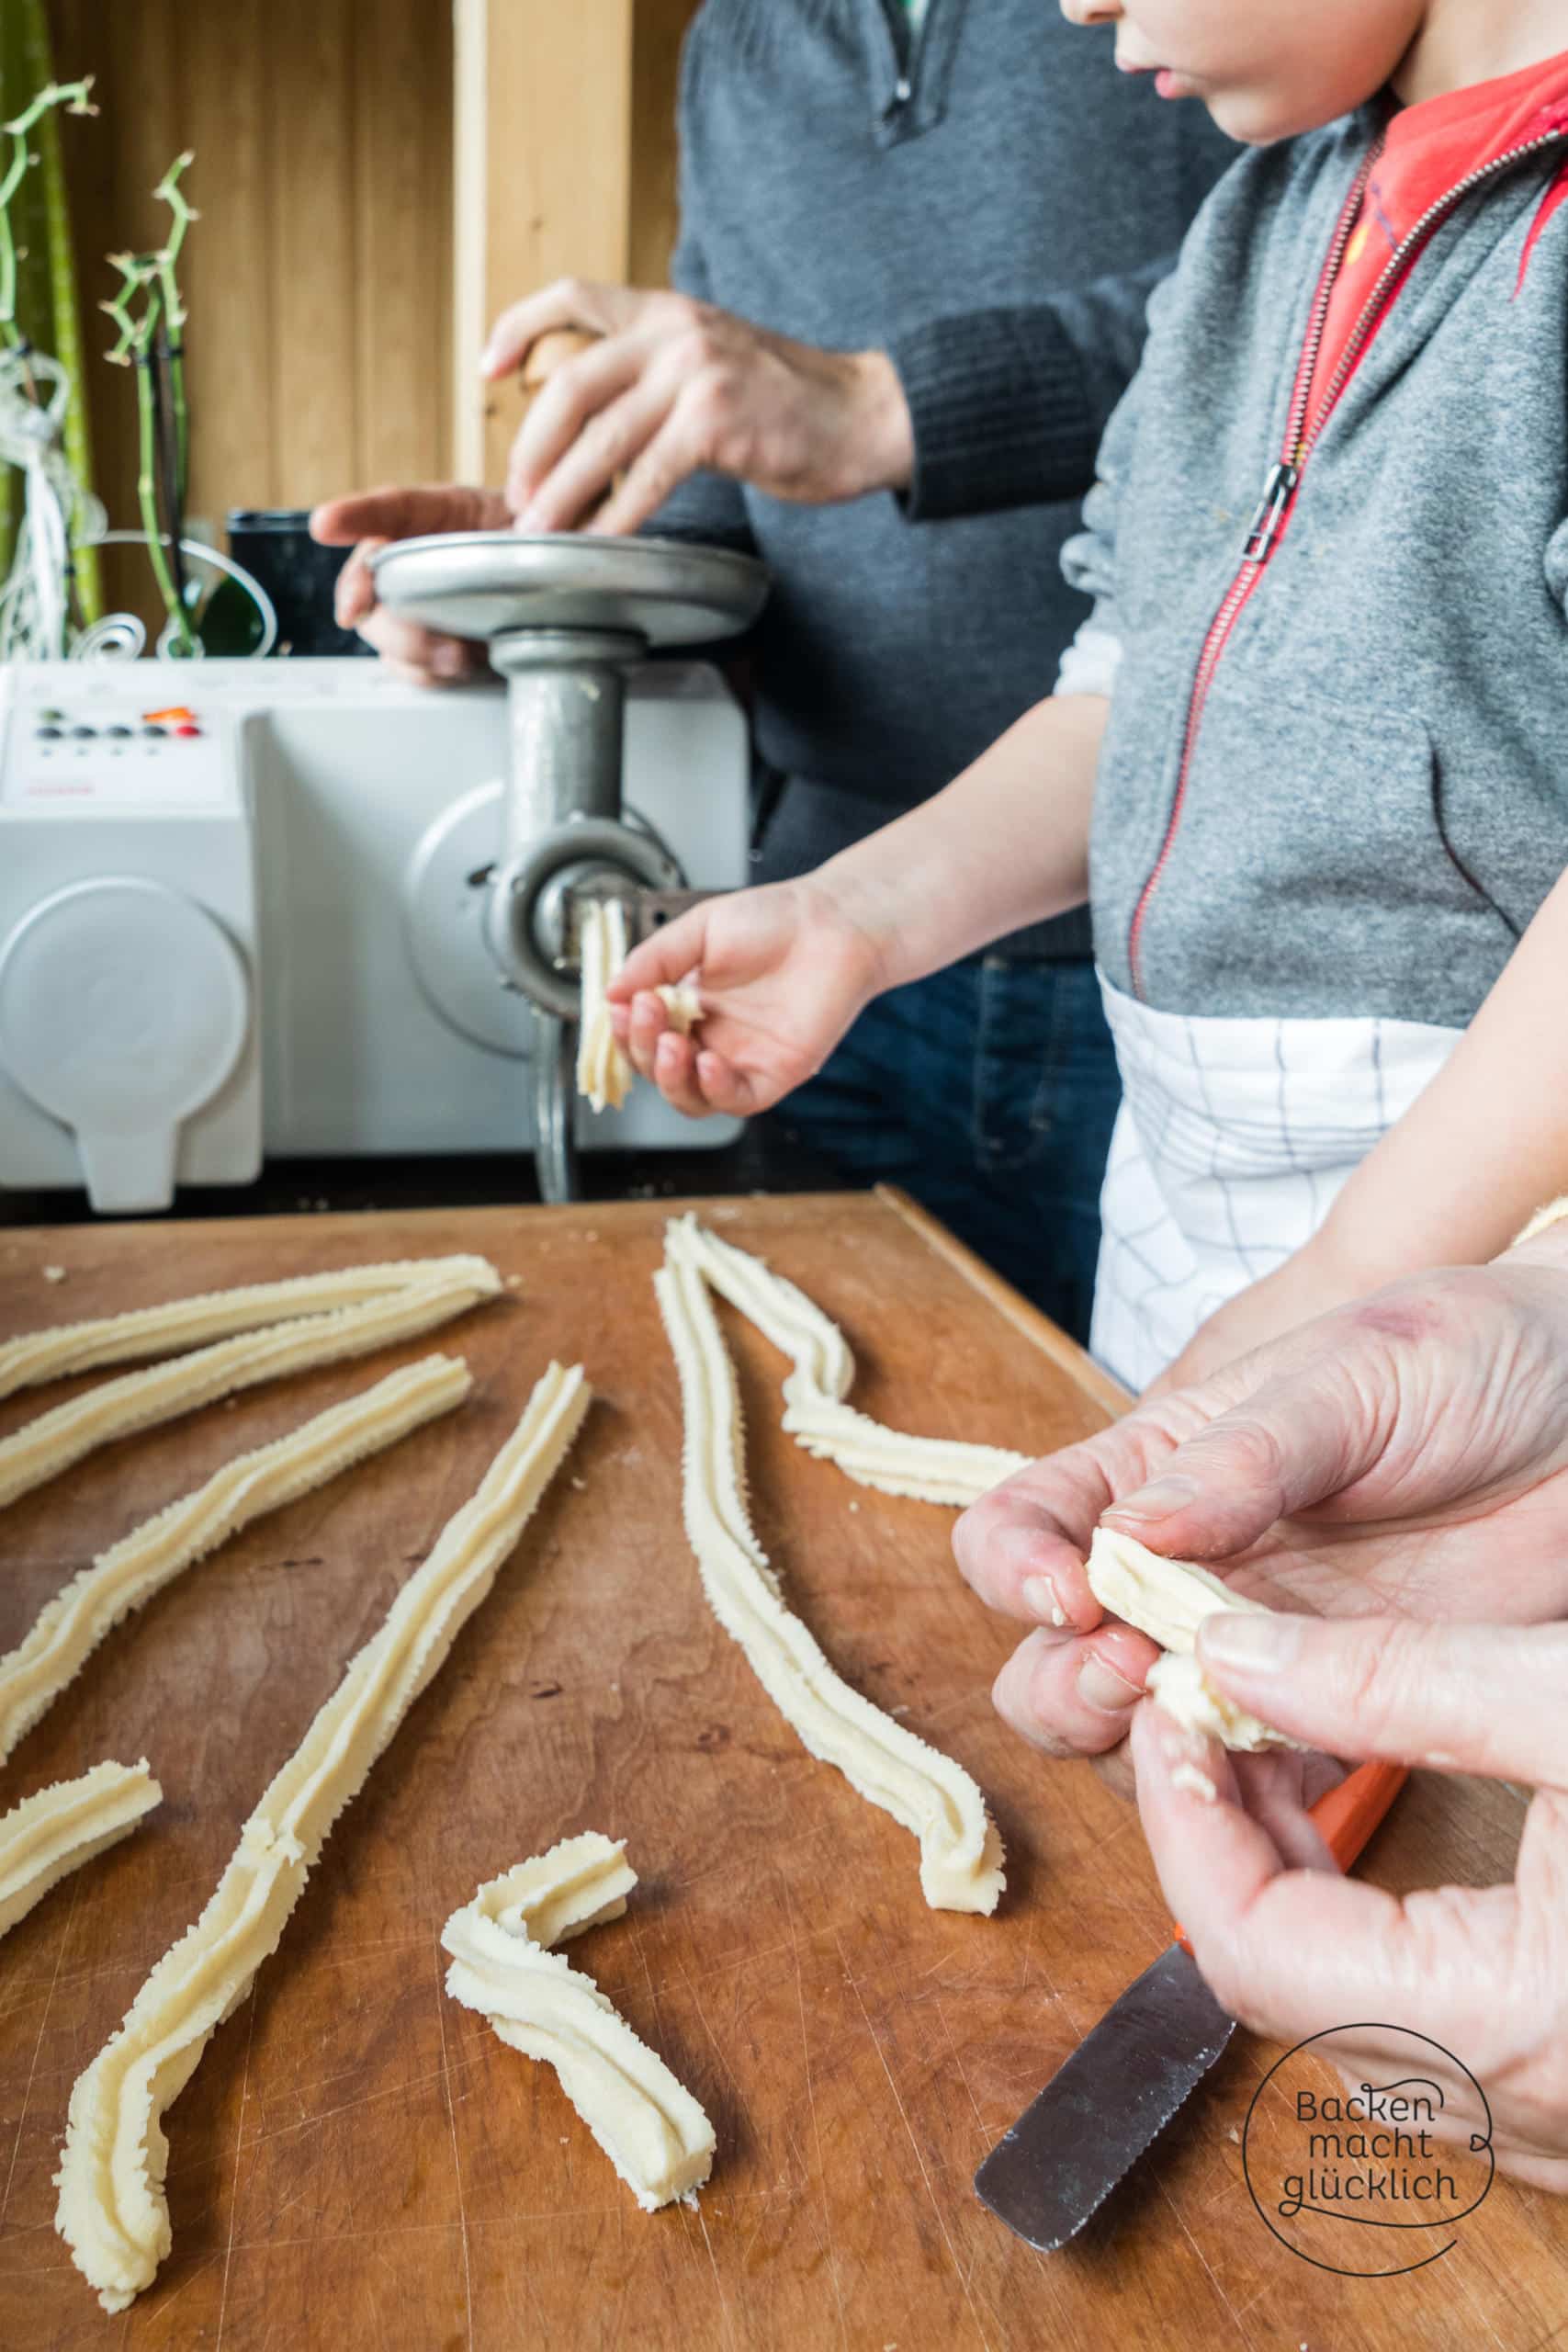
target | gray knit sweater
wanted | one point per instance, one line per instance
(993, 209)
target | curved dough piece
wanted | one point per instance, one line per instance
(961, 1853)
(604, 1073)
(935, 1470)
(1168, 1600)
(183, 1323)
(648, 2124)
(41, 1449)
(55, 1832)
(71, 1626)
(112, 2211)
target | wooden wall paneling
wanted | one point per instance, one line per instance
(226, 118)
(315, 348)
(319, 276)
(403, 244)
(657, 34)
(547, 92)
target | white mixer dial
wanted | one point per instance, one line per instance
(124, 1007)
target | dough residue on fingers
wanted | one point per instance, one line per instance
(648, 2123)
(112, 2211)
(42, 1448)
(1168, 1600)
(961, 1854)
(71, 1626)
(148, 1332)
(59, 1828)
(817, 1414)
(604, 1072)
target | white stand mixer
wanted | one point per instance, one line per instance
(565, 619)
(307, 909)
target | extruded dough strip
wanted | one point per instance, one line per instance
(1168, 1600)
(935, 1470)
(604, 1072)
(961, 1854)
(648, 2123)
(112, 2211)
(55, 1832)
(148, 1332)
(41, 1449)
(71, 1626)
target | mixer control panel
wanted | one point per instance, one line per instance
(110, 747)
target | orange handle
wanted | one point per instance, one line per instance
(1347, 1816)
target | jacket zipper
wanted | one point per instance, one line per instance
(1283, 479)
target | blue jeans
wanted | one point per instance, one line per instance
(988, 1092)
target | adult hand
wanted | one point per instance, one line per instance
(674, 386)
(781, 972)
(369, 522)
(1312, 1280)
(1407, 1455)
(1287, 1944)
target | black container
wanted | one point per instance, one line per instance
(274, 544)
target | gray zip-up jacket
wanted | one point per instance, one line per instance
(1370, 801)
(992, 209)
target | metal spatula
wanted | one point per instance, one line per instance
(1122, 2085)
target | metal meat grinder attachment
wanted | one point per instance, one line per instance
(565, 619)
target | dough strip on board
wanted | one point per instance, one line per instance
(934, 1470)
(604, 1073)
(51, 1834)
(961, 1854)
(1168, 1600)
(183, 1323)
(112, 2211)
(42, 1448)
(648, 2123)
(70, 1627)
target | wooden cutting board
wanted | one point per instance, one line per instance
(357, 2161)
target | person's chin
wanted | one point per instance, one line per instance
(1255, 118)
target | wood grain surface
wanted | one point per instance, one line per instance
(357, 2161)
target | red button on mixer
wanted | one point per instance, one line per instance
(187, 730)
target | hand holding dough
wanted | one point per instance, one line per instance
(1168, 1600)
(604, 1072)
(648, 2124)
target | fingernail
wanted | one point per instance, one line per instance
(1100, 1687)
(1158, 1499)
(1038, 1595)
(449, 662)
(1253, 1645)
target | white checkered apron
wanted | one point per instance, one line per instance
(1232, 1141)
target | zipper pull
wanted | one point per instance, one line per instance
(1278, 492)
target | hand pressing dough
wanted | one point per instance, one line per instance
(183, 1323)
(55, 1832)
(961, 1854)
(648, 2124)
(604, 1072)
(112, 2212)
(1168, 1600)
(72, 1626)
(936, 1470)
(41, 1449)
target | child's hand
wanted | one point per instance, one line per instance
(781, 972)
